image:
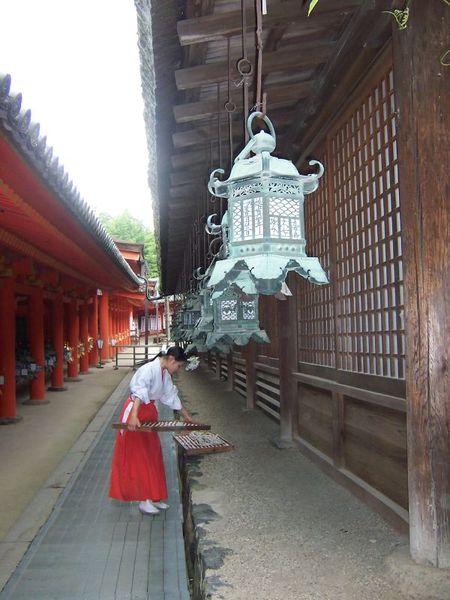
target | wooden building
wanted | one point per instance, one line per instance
(357, 370)
(64, 284)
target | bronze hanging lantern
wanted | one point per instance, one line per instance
(265, 218)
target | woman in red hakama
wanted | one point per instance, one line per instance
(137, 471)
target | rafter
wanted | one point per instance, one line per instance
(222, 25)
(288, 59)
(278, 97)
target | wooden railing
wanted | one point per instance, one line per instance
(134, 355)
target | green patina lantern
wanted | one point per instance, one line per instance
(236, 320)
(265, 218)
(204, 325)
(191, 312)
(230, 318)
(177, 325)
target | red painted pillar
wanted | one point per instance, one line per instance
(84, 334)
(58, 344)
(74, 328)
(37, 347)
(93, 329)
(104, 324)
(111, 332)
(7, 351)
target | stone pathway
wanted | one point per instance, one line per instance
(93, 548)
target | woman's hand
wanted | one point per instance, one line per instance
(186, 416)
(133, 422)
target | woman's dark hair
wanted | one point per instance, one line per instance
(176, 351)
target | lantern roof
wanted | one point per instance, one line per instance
(265, 273)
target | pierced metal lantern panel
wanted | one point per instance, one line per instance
(266, 224)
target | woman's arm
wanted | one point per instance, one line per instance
(133, 421)
(186, 416)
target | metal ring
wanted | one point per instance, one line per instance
(266, 120)
(244, 66)
(229, 106)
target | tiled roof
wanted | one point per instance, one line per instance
(27, 137)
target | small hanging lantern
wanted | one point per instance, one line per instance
(177, 329)
(265, 221)
(191, 312)
(204, 324)
(235, 320)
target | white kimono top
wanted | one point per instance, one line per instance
(149, 384)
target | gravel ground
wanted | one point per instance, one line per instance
(272, 526)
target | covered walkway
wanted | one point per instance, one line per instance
(91, 547)
(270, 524)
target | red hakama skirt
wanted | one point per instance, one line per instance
(137, 471)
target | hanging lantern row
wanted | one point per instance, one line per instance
(262, 239)
(230, 319)
(185, 318)
(265, 229)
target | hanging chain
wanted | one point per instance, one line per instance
(230, 106)
(245, 69)
(261, 101)
(211, 197)
(219, 136)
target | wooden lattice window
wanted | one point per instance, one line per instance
(369, 278)
(316, 315)
(353, 225)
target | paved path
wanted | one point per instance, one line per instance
(93, 548)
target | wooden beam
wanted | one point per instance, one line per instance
(277, 97)
(187, 159)
(288, 59)
(184, 191)
(225, 24)
(423, 124)
(189, 175)
(201, 136)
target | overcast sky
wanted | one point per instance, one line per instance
(76, 63)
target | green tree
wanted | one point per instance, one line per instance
(127, 228)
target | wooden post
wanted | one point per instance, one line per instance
(37, 346)
(422, 85)
(58, 345)
(287, 354)
(93, 329)
(167, 316)
(230, 367)
(7, 351)
(104, 324)
(250, 357)
(84, 334)
(74, 330)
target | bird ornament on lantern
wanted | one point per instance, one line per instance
(265, 230)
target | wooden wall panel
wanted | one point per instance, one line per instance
(267, 392)
(375, 447)
(314, 417)
(240, 375)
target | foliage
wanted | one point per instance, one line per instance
(127, 228)
(311, 6)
